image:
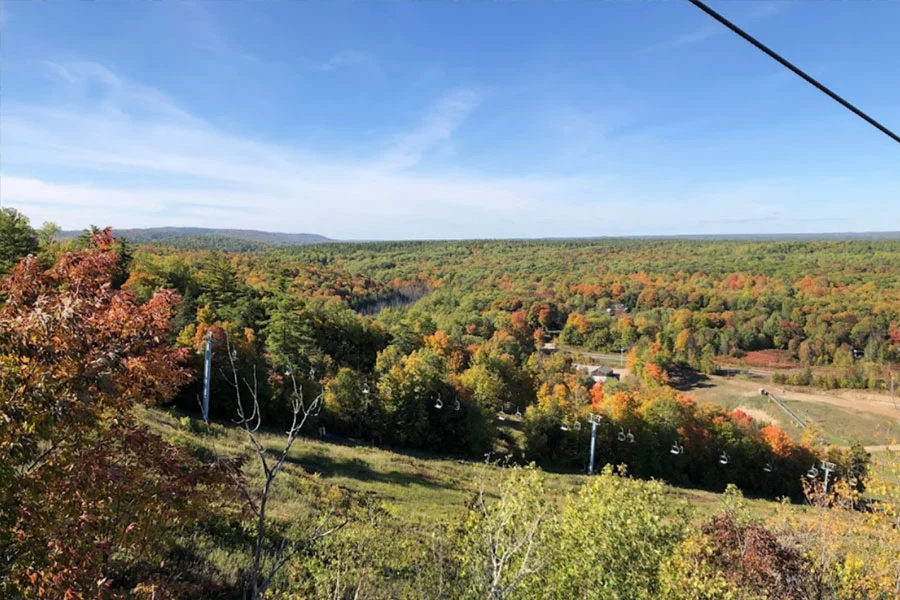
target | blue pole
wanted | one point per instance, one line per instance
(593, 443)
(207, 370)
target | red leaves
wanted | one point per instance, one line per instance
(754, 559)
(75, 355)
(78, 348)
(741, 419)
(895, 337)
(123, 507)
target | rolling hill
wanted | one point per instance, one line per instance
(216, 237)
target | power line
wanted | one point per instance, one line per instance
(797, 71)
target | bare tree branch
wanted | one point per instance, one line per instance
(300, 413)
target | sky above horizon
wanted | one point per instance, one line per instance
(411, 120)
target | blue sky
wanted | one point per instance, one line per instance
(432, 119)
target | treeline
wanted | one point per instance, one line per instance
(829, 304)
(450, 372)
(445, 373)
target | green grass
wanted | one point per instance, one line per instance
(416, 488)
(840, 426)
(405, 498)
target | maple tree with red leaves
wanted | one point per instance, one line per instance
(90, 502)
(74, 349)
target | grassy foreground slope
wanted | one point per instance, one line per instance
(407, 504)
(415, 487)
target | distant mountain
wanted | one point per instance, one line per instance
(202, 236)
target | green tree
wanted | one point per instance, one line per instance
(611, 540)
(708, 359)
(290, 339)
(17, 238)
(487, 387)
(48, 233)
(348, 401)
(503, 542)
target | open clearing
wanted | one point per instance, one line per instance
(844, 415)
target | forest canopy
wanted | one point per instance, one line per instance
(444, 347)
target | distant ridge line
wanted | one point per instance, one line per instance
(162, 234)
(811, 237)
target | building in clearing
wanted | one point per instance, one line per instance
(602, 373)
(597, 372)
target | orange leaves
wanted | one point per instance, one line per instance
(519, 320)
(778, 441)
(79, 348)
(588, 291)
(734, 281)
(566, 394)
(741, 419)
(439, 342)
(686, 400)
(632, 358)
(656, 374)
(579, 321)
(545, 316)
(596, 396)
(808, 285)
(623, 406)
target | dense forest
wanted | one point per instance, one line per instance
(437, 347)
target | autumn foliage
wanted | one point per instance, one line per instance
(73, 349)
(91, 503)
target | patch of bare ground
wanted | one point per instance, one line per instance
(758, 415)
(861, 400)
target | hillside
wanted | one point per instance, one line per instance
(411, 498)
(390, 500)
(169, 234)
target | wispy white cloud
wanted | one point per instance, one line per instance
(686, 39)
(140, 158)
(437, 128)
(342, 60)
(759, 12)
(112, 151)
(763, 10)
(206, 32)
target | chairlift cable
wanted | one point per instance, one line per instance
(796, 70)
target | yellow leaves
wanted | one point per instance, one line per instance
(439, 342)
(185, 337)
(852, 579)
(206, 315)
